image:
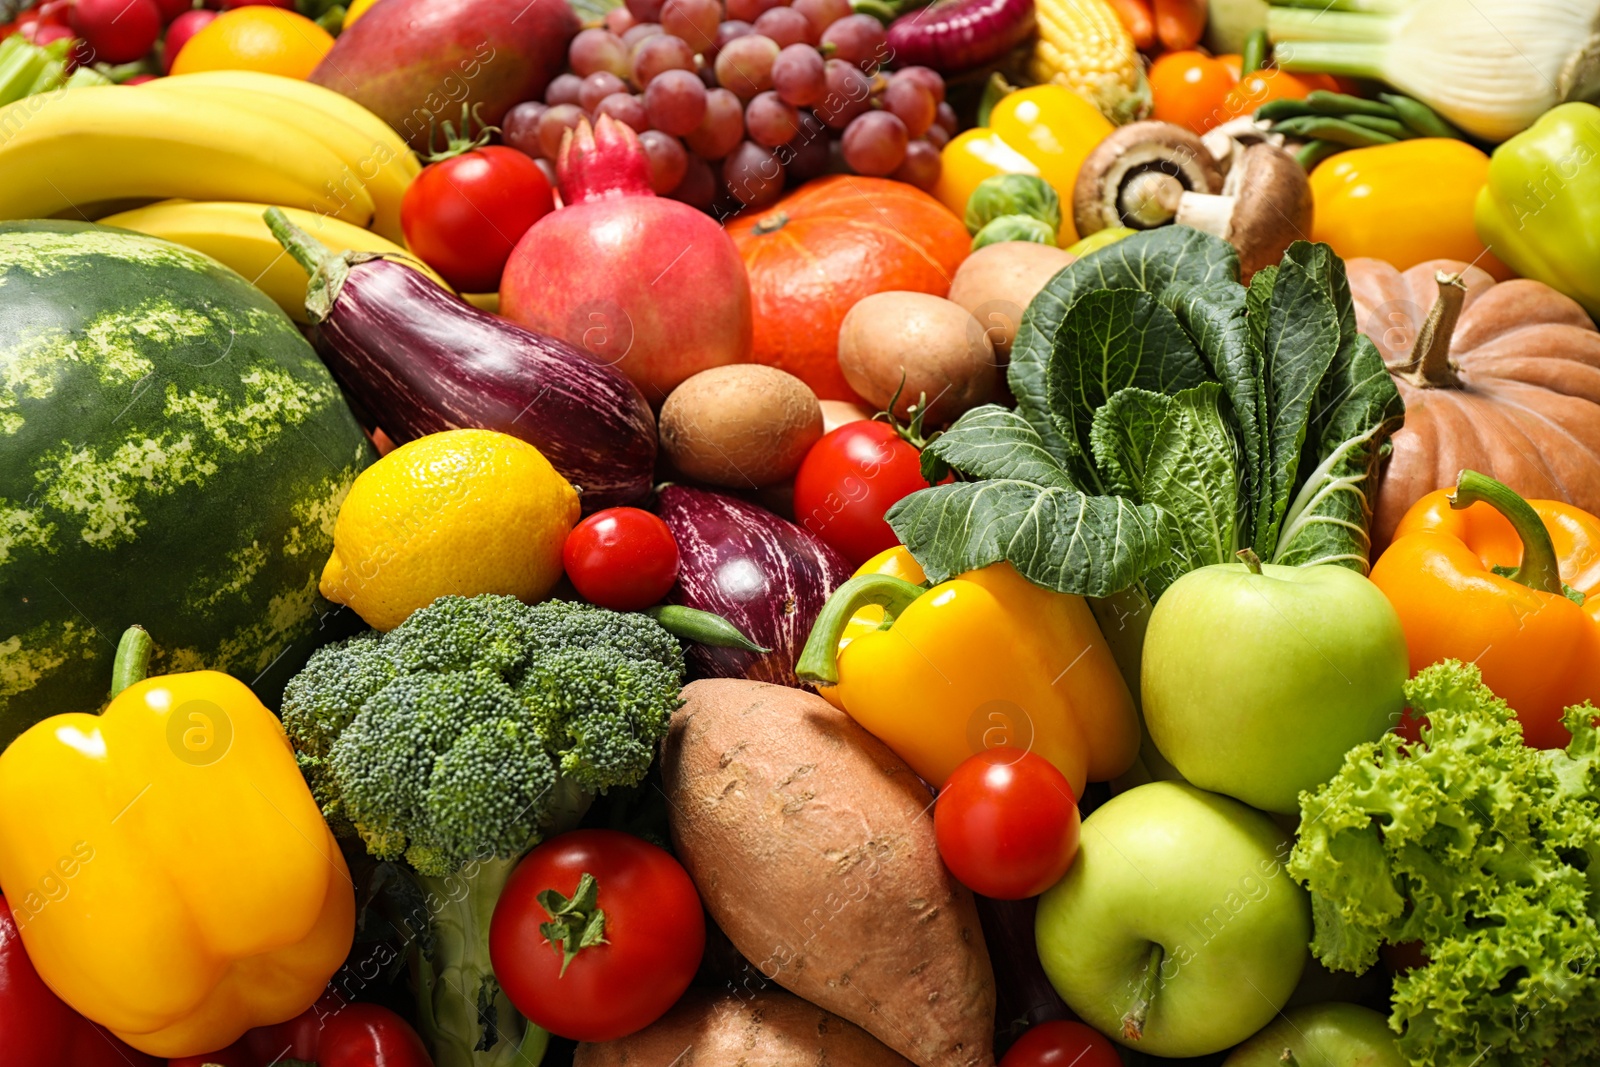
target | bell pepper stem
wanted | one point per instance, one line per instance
(132, 660)
(1144, 996)
(1429, 366)
(819, 662)
(1539, 569)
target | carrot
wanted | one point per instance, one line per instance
(1135, 18)
(1179, 23)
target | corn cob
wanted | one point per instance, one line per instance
(1083, 46)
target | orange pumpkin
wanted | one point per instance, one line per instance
(824, 247)
(1509, 385)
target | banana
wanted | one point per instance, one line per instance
(383, 165)
(99, 143)
(234, 233)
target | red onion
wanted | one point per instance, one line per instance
(959, 35)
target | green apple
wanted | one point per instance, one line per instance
(1177, 931)
(1322, 1035)
(1258, 679)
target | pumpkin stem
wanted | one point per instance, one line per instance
(1429, 366)
(1539, 569)
(772, 223)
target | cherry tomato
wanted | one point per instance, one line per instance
(1259, 88)
(464, 214)
(653, 926)
(1007, 824)
(848, 480)
(1188, 89)
(621, 558)
(1062, 1044)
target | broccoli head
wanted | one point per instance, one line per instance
(480, 724)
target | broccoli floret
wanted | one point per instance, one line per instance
(460, 739)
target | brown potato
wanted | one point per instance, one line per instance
(996, 283)
(934, 346)
(742, 426)
(812, 846)
(768, 1028)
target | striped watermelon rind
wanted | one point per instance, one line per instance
(172, 454)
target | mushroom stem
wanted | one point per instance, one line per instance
(1210, 213)
(1149, 199)
(1429, 365)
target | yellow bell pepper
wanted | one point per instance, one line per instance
(1406, 203)
(173, 878)
(984, 660)
(1046, 131)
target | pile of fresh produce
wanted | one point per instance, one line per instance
(782, 533)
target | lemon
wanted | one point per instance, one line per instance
(461, 512)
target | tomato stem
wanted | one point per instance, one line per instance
(576, 922)
(1539, 569)
(1138, 1014)
(819, 662)
(460, 144)
(132, 661)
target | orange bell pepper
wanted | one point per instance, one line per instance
(1513, 585)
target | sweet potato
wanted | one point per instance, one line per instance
(812, 846)
(764, 1029)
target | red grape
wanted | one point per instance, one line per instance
(721, 128)
(771, 122)
(745, 65)
(926, 77)
(595, 50)
(809, 154)
(937, 136)
(520, 128)
(645, 10)
(667, 158)
(627, 109)
(753, 175)
(675, 102)
(564, 89)
(699, 185)
(786, 26)
(639, 31)
(619, 20)
(822, 13)
(946, 117)
(695, 21)
(597, 86)
(911, 103)
(657, 55)
(875, 144)
(849, 94)
(797, 75)
(750, 10)
(857, 39)
(729, 31)
(555, 122)
(117, 31)
(920, 167)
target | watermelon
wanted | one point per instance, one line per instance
(172, 454)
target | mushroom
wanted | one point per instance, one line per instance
(1149, 174)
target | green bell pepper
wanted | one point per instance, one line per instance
(1540, 209)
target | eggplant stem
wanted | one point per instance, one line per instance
(819, 662)
(1539, 569)
(327, 270)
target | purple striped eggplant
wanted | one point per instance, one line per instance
(421, 361)
(764, 574)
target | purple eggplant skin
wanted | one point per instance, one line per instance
(764, 574)
(957, 35)
(421, 361)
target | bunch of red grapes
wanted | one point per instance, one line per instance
(733, 104)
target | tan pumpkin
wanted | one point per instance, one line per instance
(1503, 378)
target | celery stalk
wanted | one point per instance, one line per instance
(20, 65)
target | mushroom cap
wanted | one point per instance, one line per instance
(1272, 206)
(1135, 164)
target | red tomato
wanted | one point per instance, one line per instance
(621, 558)
(849, 479)
(1188, 89)
(1062, 1044)
(654, 930)
(464, 214)
(1007, 824)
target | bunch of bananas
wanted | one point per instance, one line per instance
(216, 149)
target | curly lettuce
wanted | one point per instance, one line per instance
(1483, 850)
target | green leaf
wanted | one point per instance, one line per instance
(1302, 337)
(994, 442)
(1059, 538)
(1192, 476)
(1112, 339)
(1121, 436)
(1257, 297)
(1150, 261)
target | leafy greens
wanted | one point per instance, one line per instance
(1167, 417)
(1488, 853)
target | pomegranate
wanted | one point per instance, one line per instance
(646, 284)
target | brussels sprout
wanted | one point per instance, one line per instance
(1013, 194)
(1014, 228)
